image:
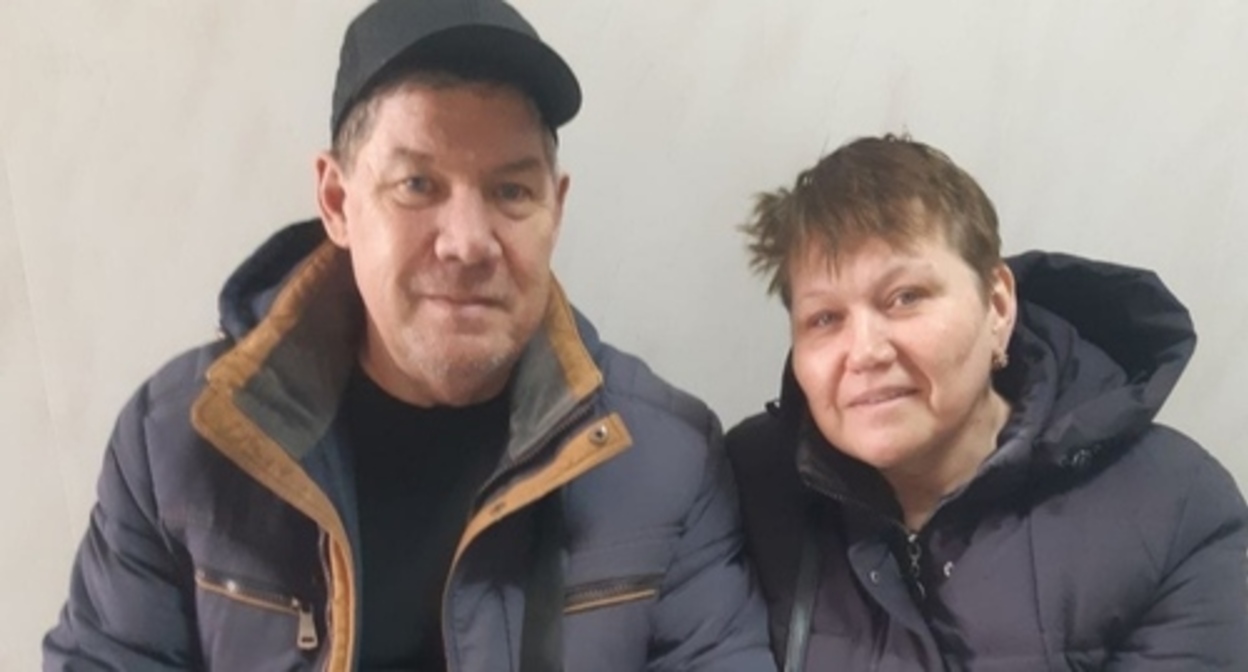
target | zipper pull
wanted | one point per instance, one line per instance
(307, 639)
(915, 553)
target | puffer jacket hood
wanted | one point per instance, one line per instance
(1110, 342)
(250, 290)
(1097, 349)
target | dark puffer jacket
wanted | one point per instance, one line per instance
(1092, 539)
(225, 536)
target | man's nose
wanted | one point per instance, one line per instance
(466, 232)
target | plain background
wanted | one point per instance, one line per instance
(147, 145)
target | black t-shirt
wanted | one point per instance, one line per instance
(417, 471)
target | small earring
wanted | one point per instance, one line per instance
(1000, 360)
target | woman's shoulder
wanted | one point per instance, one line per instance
(1176, 466)
(763, 451)
(1165, 461)
(1162, 490)
(756, 437)
(1154, 539)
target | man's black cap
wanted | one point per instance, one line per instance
(486, 37)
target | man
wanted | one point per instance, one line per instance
(409, 451)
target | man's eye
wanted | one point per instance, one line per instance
(417, 185)
(513, 192)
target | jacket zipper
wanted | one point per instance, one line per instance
(323, 550)
(306, 638)
(576, 416)
(914, 553)
(914, 549)
(610, 592)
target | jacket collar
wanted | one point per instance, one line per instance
(285, 376)
(820, 466)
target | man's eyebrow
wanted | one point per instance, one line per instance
(409, 155)
(524, 165)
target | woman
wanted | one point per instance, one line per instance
(962, 471)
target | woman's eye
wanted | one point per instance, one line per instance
(906, 297)
(822, 320)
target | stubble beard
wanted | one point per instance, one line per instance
(457, 367)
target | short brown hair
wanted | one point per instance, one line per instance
(888, 187)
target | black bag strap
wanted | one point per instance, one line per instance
(541, 640)
(804, 595)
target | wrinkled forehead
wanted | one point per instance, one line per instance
(489, 122)
(497, 88)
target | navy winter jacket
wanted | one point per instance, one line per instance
(1091, 539)
(225, 536)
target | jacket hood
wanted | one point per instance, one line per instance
(250, 290)
(1096, 350)
(1100, 347)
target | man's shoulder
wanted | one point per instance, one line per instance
(627, 379)
(179, 381)
(161, 406)
(154, 444)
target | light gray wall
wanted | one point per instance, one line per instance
(147, 145)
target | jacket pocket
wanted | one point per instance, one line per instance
(306, 638)
(610, 592)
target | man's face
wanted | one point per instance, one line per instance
(450, 212)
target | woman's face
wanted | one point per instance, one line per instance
(893, 349)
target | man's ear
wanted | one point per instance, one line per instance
(561, 195)
(331, 197)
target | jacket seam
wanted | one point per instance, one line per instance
(1038, 603)
(1171, 547)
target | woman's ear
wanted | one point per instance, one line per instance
(1002, 305)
